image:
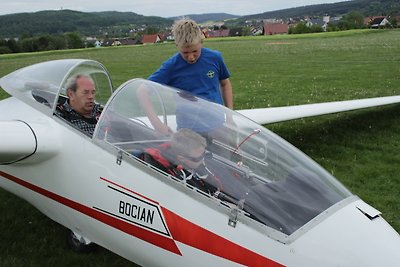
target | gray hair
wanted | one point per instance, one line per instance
(187, 32)
(72, 82)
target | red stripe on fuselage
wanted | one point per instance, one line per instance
(181, 230)
(195, 236)
(148, 236)
(127, 189)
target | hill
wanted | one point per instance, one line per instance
(61, 21)
(365, 7)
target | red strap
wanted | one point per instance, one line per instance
(156, 154)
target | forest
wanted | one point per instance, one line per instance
(62, 21)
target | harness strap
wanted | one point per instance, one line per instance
(156, 155)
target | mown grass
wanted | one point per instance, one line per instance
(361, 148)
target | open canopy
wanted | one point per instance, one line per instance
(40, 85)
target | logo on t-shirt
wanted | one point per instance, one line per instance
(210, 74)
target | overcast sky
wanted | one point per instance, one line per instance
(162, 8)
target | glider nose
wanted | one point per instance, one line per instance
(18, 141)
(27, 142)
(355, 235)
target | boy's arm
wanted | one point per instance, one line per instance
(148, 108)
(227, 94)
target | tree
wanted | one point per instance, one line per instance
(236, 32)
(316, 28)
(57, 42)
(353, 20)
(43, 42)
(246, 31)
(74, 40)
(151, 30)
(332, 28)
(13, 46)
(393, 21)
(4, 50)
(299, 28)
(29, 45)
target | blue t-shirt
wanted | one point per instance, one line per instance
(200, 116)
(202, 78)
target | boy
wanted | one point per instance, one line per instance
(200, 71)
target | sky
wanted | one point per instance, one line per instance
(161, 8)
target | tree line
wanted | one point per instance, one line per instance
(70, 40)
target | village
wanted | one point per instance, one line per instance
(252, 28)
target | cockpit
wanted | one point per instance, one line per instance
(258, 172)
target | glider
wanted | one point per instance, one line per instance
(274, 205)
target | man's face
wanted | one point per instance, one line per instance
(82, 101)
(194, 159)
(190, 53)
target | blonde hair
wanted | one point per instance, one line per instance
(185, 140)
(187, 32)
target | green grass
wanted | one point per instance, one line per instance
(361, 148)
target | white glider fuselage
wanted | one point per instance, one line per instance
(109, 196)
(82, 187)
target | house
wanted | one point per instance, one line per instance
(165, 36)
(116, 43)
(318, 22)
(218, 33)
(92, 42)
(379, 22)
(151, 39)
(169, 37)
(111, 42)
(107, 42)
(205, 32)
(275, 28)
(257, 30)
(97, 43)
(128, 41)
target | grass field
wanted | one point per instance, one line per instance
(360, 148)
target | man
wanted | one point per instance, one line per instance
(183, 157)
(80, 108)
